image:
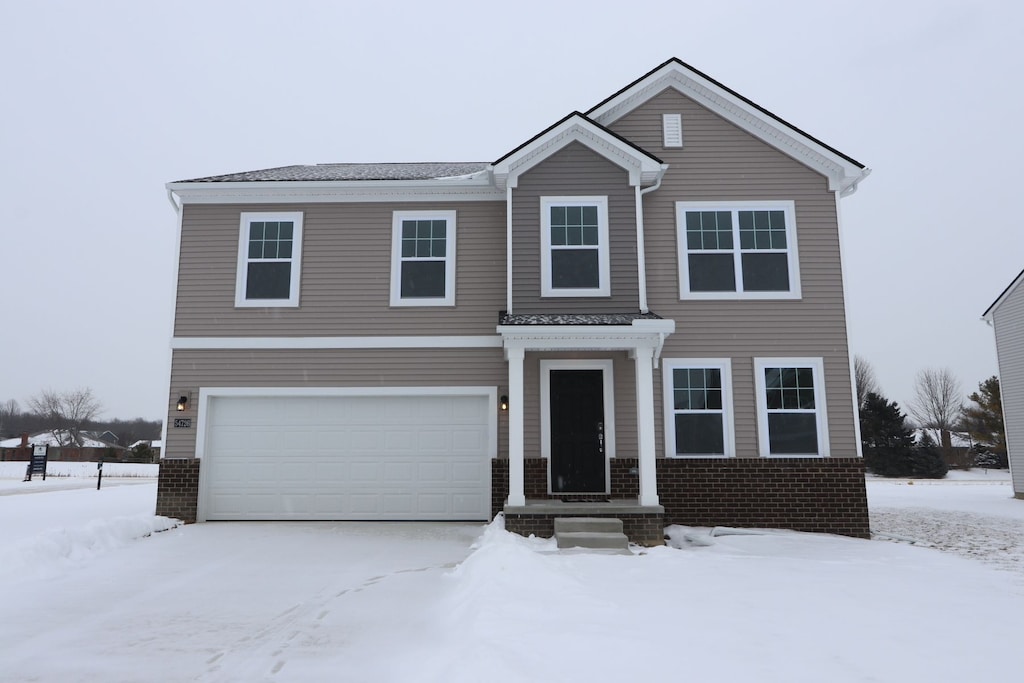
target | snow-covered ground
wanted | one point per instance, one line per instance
(89, 593)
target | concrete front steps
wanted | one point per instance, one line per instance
(602, 534)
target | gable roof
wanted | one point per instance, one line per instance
(482, 181)
(990, 311)
(643, 167)
(843, 171)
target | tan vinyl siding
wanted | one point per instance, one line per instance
(192, 370)
(1008, 320)
(722, 162)
(574, 171)
(346, 271)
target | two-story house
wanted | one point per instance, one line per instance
(637, 313)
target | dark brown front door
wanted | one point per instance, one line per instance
(577, 431)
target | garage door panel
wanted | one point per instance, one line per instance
(347, 457)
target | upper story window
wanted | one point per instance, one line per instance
(698, 407)
(737, 250)
(269, 259)
(423, 258)
(791, 416)
(574, 247)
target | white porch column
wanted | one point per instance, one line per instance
(644, 360)
(516, 486)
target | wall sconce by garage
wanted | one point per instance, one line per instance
(182, 403)
(503, 402)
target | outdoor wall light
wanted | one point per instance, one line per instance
(182, 403)
(504, 402)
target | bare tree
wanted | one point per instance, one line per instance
(864, 376)
(937, 401)
(66, 412)
(8, 412)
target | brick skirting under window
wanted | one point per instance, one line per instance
(806, 494)
(177, 489)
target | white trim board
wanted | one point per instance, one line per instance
(404, 342)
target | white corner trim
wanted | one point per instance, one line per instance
(607, 368)
(406, 342)
(817, 364)
(668, 403)
(397, 260)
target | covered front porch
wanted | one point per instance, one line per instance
(578, 472)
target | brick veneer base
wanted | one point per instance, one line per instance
(177, 489)
(644, 529)
(806, 494)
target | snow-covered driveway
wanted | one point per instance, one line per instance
(233, 602)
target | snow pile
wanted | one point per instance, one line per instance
(56, 551)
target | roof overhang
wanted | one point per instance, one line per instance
(642, 333)
(843, 172)
(991, 310)
(643, 168)
(470, 188)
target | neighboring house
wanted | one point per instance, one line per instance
(1006, 316)
(62, 446)
(638, 312)
(958, 455)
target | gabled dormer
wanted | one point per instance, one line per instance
(574, 208)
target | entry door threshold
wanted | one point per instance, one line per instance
(560, 507)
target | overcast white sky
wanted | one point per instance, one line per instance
(102, 103)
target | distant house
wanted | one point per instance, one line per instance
(642, 316)
(958, 455)
(1006, 316)
(62, 446)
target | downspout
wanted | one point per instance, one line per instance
(508, 249)
(641, 256)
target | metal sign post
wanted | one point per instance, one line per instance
(99, 476)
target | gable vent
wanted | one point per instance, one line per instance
(672, 126)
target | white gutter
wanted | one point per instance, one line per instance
(641, 256)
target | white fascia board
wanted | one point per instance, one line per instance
(477, 188)
(409, 342)
(643, 169)
(843, 175)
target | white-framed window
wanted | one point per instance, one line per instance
(791, 416)
(697, 399)
(574, 247)
(269, 259)
(423, 258)
(737, 250)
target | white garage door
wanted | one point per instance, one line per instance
(347, 458)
